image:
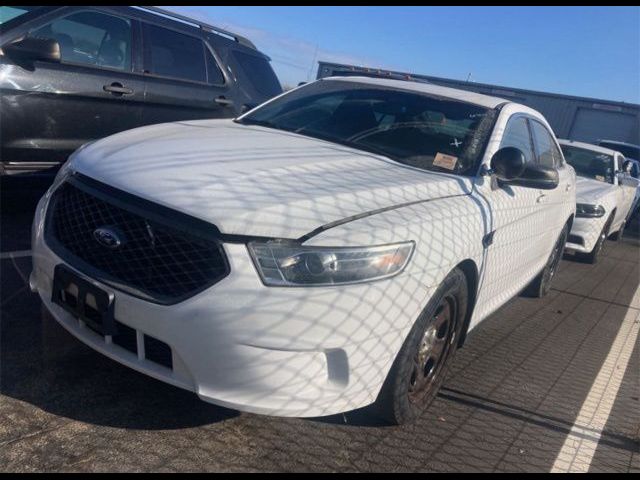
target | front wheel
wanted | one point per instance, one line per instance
(422, 363)
(618, 235)
(592, 256)
(541, 285)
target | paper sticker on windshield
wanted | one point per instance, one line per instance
(445, 161)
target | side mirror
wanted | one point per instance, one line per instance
(510, 168)
(508, 163)
(33, 49)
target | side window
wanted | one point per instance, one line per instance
(259, 72)
(176, 55)
(214, 74)
(516, 134)
(548, 153)
(91, 38)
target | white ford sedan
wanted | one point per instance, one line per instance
(328, 250)
(605, 195)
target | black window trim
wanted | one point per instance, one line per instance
(146, 57)
(72, 11)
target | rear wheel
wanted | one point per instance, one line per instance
(541, 285)
(422, 363)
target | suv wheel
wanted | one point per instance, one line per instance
(423, 361)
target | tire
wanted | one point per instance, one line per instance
(541, 285)
(618, 235)
(430, 346)
(593, 255)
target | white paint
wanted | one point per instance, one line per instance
(321, 350)
(581, 443)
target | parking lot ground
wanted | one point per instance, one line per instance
(543, 385)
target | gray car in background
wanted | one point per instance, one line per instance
(73, 74)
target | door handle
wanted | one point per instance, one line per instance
(541, 198)
(116, 88)
(224, 102)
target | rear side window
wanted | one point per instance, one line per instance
(173, 54)
(260, 73)
(516, 134)
(91, 38)
(548, 153)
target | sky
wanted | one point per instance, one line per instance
(583, 51)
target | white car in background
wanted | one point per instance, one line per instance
(327, 250)
(631, 152)
(605, 195)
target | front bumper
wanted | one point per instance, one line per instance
(588, 230)
(278, 351)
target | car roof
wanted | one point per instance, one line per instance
(622, 144)
(427, 88)
(587, 146)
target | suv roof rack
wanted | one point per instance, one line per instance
(204, 26)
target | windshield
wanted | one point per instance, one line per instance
(629, 151)
(412, 128)
(590, 164)
(9, 13)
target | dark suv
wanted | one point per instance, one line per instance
(69, 75)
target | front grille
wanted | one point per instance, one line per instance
(160, 257)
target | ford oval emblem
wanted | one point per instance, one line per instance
(108, 237)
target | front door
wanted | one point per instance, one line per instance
(90, 94)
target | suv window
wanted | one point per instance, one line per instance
(91, 38)
(548, 153)
(176, 55)
(214, 74)
(516, 134)
(260, 73)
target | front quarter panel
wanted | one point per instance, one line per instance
(445, 231)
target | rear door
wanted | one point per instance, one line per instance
(53, 108)
(516, 241)
(183, 78)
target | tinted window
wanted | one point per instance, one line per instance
(91, 38)
(214, 75)
(590, 164)
(259, 73)
(548, 153)
(173, 54)
(517, 135)
(9, 13)
(412, 128)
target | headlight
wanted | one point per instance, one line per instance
(282, 264)
(589, 211)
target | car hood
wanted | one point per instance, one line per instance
(589, 191)
(250, 180)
